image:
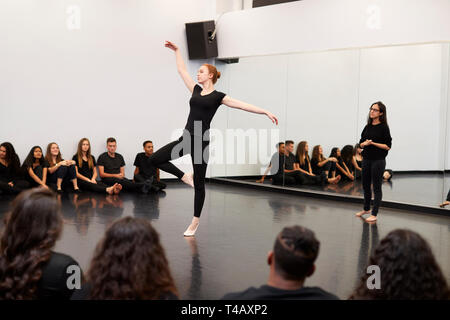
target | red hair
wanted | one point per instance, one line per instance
(212, 69)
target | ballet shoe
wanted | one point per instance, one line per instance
(190, 233)
(188, 179)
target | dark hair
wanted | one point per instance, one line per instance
(347, 154)
(110, 139)
(355, 148)
(29, 160)
(12, 159)
(130, 263)
(391, 173)
(383, 117)
(408, 270)
(289, 142)
(32, 228)
(279, 144)
(295, 250)
(333, 152)
(147, 141)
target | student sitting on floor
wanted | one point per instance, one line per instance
(11, 177)
(145, 169)
(111, 167)
(291, 262)
(276, 166)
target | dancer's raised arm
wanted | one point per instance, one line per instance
(233, 103)
(190, 84)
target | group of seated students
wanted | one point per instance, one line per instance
(130, 263)
(52, 171)
(287, 168)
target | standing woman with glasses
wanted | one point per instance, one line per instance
(376, 142)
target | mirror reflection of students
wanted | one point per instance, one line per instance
(376, 142)
(321, 164)
(447, 201)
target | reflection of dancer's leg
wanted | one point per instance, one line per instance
(161, 159)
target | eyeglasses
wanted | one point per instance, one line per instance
(374, 110)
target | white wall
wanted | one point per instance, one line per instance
(111, 77)
(316, 25)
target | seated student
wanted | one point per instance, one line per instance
(291, 261)
(387, 175)
(129, 263)
(357, 160)
(302, 163)
(11, 178)
(276, 166)
(408, 268)
(145, 169)
(341, 167)
(86, 170)
(29, 269)
(60, 171)
(111, 167)
(321, 164)
(35, 168)
(290, 170)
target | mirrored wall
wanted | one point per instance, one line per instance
(323, 99)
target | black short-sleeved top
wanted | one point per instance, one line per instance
(84, 170)
(315, 166)
(276, 163)
(266, 292)
(289, 161)
(304, 166)
(53, 282)
(111, 165)
(6, 174)
(203, 108)
(38, 169)
(379, 133)
(86, 288)
(146, 169)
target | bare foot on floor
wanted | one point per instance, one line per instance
(110, 190)
(334, 180)
(444, 204)
(117, 187)
(359, 214)
(188, 178)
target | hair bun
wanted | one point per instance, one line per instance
(218, 74)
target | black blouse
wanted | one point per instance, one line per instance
(379, 133)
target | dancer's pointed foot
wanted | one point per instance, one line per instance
(188, 178)
(359, 214)
(371, 219)
(445, 203)
(190, 231)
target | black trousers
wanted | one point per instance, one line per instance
(89, 186)
(127, 184)
(19, 186)
(448, 195)
(372, 174)
(141, 178)
(199, 151)
(66, 173)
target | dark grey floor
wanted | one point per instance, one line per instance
(428, 189)
(237, 229)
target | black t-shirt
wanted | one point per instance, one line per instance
(84, 170)
(379, 133)
(304, 166)
(6, 174)
(146, 169)
(289, 162)
(85, 291)
(315, 166)
(277, 163)
(203, 108)
(53, 283)
(112, 165)
(266, 292)
(38, 170)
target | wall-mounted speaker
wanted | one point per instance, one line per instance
(200, 44)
